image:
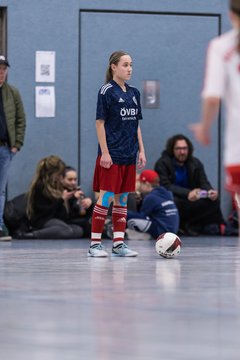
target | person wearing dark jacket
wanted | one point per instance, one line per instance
(47, 203)
(184, 175)
(158, 213)
(12, 132)
(80, 207)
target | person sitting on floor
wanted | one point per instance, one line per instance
(183, 174)
(79, 206)
(158, 213)
(47, 206)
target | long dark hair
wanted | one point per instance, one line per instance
(47, 175)
(114, 59)
(172, 141)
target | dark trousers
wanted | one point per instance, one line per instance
(84, 223)
(200, 213)
(58, 229)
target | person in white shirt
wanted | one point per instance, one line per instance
(222, 82)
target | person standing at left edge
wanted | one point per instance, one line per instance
(12, 131)
(120, 143)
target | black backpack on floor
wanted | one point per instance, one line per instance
(15, 214)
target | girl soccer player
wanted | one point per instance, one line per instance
(222, 81)
(120, 141)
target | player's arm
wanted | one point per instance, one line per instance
(141, 156)
(201, 130)
(213, 91)
(106, 160)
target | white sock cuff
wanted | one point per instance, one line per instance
(118, 234)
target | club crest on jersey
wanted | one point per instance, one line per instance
(134, 100)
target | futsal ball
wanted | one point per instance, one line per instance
(168, 245)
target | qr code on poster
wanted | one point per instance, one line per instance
(45, 70)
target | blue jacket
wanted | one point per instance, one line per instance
(159, 206)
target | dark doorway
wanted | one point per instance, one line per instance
(3, 30)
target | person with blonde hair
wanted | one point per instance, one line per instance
(47, 205)
(222, 82)
(120, 148)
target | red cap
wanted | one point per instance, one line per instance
(149, 176)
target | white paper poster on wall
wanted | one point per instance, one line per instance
(45, 101)
(45, 66)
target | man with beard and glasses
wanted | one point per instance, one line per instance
(196, 200)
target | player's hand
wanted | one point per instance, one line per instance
(106, 161)
(141, 163)
(200, 133)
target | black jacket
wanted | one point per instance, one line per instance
(197, 176)
(45, 208)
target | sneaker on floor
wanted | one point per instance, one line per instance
(123, 250)
(97, 250)
(4, 237)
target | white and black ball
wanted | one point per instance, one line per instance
(168, 245)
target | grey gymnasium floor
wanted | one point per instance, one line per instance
(57, 304)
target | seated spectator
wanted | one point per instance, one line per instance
(184, 175)
(158, 213)
(79, 207)
(47, 206)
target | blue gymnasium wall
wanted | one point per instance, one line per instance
(73, 28)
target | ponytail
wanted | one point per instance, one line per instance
(114, 59)
(108, 74)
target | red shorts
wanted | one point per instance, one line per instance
(117, 179)
(233, 178)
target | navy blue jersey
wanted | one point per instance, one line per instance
(121, 112)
